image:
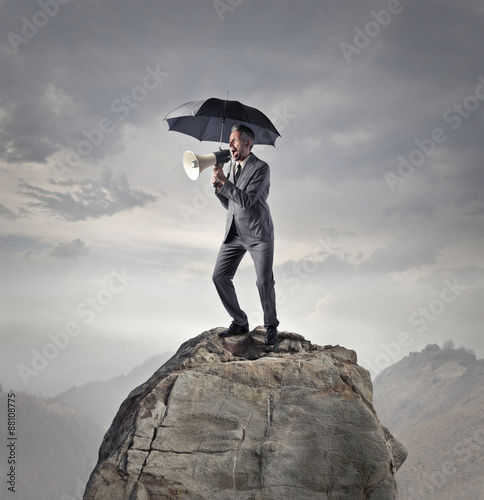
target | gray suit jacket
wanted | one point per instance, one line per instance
(247, 202)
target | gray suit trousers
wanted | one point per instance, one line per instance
(228, 260)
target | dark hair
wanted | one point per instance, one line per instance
(246, 133)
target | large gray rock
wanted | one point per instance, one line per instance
(235, 419)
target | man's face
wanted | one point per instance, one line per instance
(238, 148)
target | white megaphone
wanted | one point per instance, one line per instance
(194, 164)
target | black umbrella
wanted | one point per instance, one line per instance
(212, 120)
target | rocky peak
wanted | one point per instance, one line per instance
(234, 418)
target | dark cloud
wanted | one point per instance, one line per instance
(73, 72)
(9, 214)
(73, 250)
(6, 213)
(404, 253)
(89, 198)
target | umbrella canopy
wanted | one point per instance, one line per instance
(212, 120)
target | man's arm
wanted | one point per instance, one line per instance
(252, 192)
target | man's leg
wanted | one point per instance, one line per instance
(263, 255)
(228, 261)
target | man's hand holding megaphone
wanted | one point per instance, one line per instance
(218, 177)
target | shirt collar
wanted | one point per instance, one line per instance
(243, 162)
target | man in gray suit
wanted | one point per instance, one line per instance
(249, 228)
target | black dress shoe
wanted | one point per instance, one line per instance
(234, 329)
(271, 335)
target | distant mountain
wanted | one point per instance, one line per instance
(102, 399)
(433, 402)
(54, 452)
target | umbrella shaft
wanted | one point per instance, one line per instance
(221, 133)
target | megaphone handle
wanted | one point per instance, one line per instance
(215, 184)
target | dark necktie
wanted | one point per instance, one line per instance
(237, 173)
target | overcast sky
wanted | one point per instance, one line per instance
(107, 248)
